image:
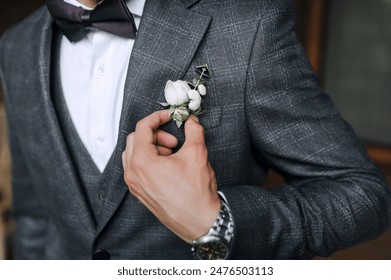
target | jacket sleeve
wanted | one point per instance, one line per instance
(334, 196)
(28, 211)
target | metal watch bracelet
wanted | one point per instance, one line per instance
(223, 228)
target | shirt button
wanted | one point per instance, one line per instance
(101, 255)
(102, 196)
(100, 137)
(102, 70)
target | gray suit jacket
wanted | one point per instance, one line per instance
(264, 109)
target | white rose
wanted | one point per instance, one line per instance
(195, 99)
(202, 89)
(176, 92)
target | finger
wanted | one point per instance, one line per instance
(165, 139)
(194, 132)
(213, 176)
(144, 139)
(123, 157)
(127, 153)
(130, 141)
(163, 151)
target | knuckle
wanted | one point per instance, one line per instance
(139, 124)
(138, 163)
(197, 151)
(198, 128)
(204, 152)
(129, 138)
(201, 129)
(128, 178)
(201, 148)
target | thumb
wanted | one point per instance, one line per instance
(194, 132)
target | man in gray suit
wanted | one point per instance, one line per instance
(155, 195)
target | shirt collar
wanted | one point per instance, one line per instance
(77, 4)
(136, 7)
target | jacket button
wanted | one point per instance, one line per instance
(101, 255)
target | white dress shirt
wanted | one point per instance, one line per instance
(93, 73)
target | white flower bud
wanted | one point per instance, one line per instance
(202, 89)
(193, 94)
(176, 92)
(194, 104)
(195, 99)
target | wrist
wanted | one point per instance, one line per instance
(217, 243)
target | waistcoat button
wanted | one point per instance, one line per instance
(101, 255)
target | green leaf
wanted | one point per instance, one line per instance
(184, 117)
(178, 123)
(164, 104)
(172, 110)
(178, 117)
(198, 111)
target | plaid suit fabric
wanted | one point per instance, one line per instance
(264, 109)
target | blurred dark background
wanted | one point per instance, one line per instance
(349, 45)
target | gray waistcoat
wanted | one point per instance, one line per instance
(93, 181)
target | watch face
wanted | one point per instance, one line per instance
(213, 250)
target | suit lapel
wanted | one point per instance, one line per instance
(189, 3)
(168, 38)
(68, 196)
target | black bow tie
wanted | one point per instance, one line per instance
(111, 16)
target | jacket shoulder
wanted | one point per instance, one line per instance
(26, 32)
(244, 10)
(22, 41)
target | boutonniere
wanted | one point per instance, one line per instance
(184, 98)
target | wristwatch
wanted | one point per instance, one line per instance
(216, 244)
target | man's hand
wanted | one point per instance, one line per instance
(179, 189)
